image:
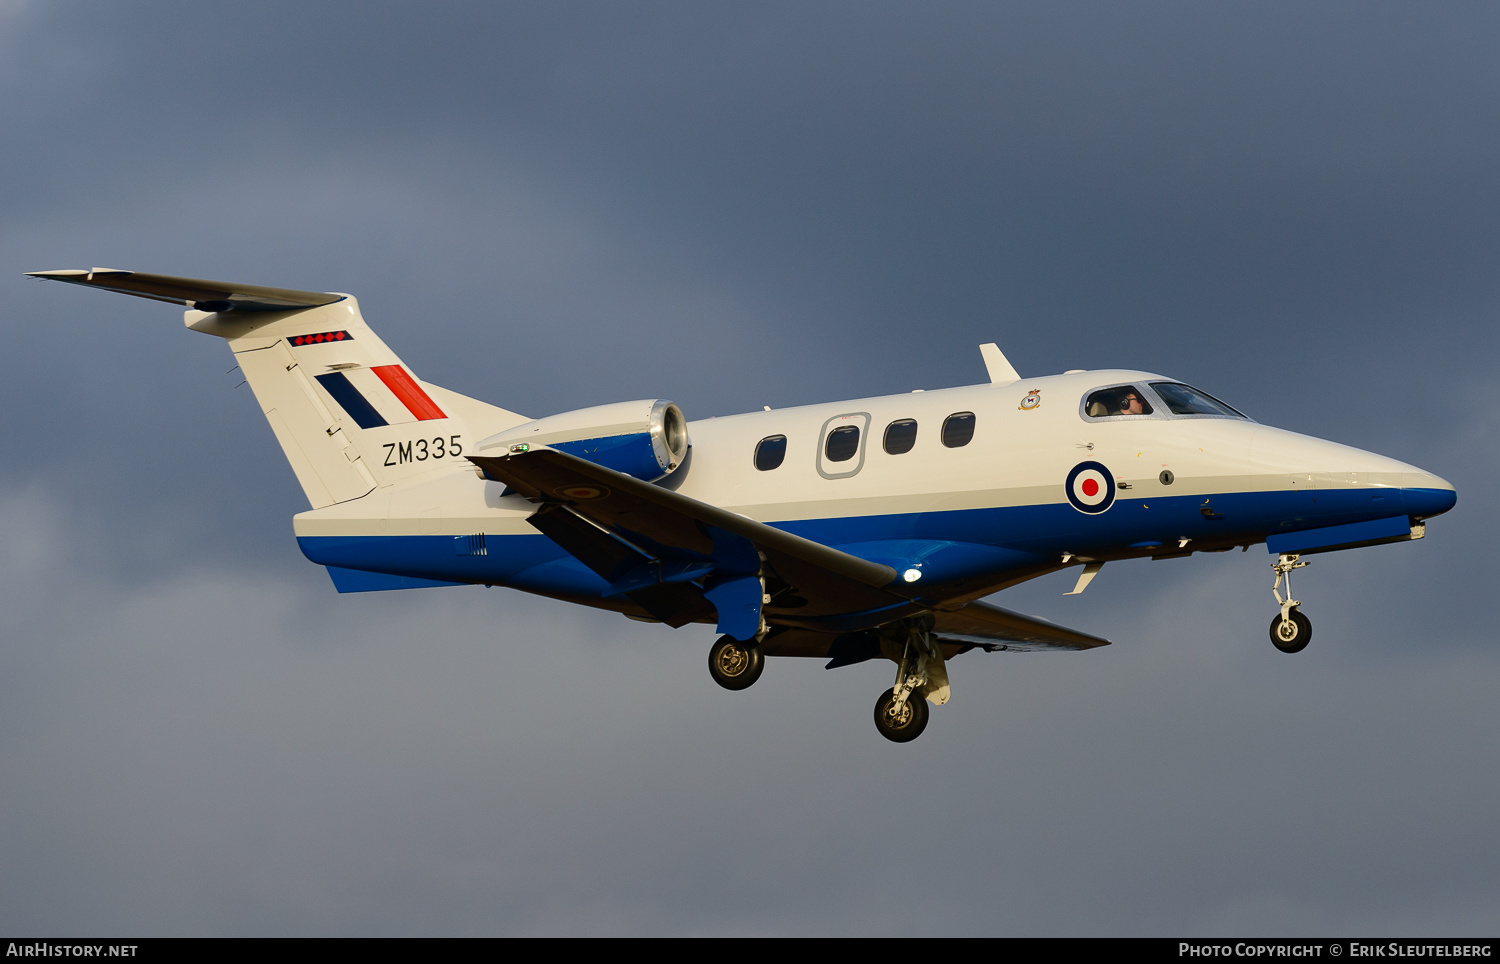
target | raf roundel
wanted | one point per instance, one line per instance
(583, 493)
(1090, 487)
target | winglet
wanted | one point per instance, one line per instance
(1002, 372)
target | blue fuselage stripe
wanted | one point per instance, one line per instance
(953, 545)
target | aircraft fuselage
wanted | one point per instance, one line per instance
(969, 518)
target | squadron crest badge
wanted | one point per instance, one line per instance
(1032, 400)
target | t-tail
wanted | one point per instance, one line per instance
(348, 413)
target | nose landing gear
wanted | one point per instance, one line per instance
(1291, 633)
(1290, 630)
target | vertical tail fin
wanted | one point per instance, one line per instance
(348, 413)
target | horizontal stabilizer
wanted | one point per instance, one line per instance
(980, 621)
(191, 292)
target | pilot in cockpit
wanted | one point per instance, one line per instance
(1125, 400)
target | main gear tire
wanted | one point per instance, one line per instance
(735, 665)
(905, 725)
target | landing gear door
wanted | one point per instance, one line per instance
(841, 445)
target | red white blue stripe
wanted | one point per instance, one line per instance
(383, 395)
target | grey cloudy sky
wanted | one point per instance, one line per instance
(549, 206)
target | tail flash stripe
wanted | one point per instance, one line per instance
(405, 388)
(351, 400)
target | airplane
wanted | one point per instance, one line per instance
(845, 531)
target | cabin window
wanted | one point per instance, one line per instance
(958, 429)
(900, 436)
(842, 444)
(1186, 400)
(770, 453)
(1121, 400)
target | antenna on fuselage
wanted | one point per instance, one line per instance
(1002, 372)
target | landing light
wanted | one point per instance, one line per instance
(912, 575)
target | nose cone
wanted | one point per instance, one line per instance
(1323, 465)
(1434, 497)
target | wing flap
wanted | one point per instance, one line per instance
(822, 581)
(672, 603)
(192, 292)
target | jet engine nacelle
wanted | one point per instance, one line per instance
(647, 439)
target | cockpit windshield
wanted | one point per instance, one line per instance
(1185, 400)
(1158, 399)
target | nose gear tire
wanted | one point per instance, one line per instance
(1292, 634)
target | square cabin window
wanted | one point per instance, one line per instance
(770, 452)
(958, 429)
(900, 436)
(843, 444)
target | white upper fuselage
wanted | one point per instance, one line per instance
(1018, 456)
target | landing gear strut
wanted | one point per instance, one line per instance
(1290, 630)
(735, 665)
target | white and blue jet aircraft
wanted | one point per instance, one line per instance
(844, 531)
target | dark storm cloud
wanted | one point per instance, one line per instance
(1061, 177)
(562, 205)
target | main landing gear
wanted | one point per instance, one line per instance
(921, 675)
(1290, 630)
(900, 713)
(735, 665)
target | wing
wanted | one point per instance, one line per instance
(975, 626)
(193, 292)
(981, 623)
(656, 546)
(643, 538)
